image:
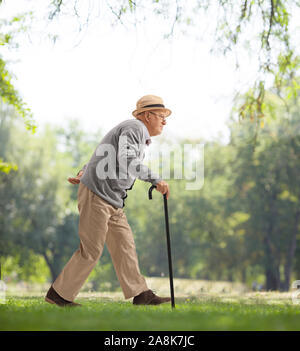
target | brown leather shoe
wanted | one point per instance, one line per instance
(149, 298)
(53, 297)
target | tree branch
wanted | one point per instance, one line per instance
(57, 4)
(270, 25)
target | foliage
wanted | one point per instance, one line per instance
(8, 93)
(7, 167)
(258, 28)
(261, 29)
(32, 269)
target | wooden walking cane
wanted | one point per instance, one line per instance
(168, 243)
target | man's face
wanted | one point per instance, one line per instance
(156, 122)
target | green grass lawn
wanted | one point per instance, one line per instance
(202, 313)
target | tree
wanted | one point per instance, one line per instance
(266, 188)
(38, 213)
(9, 96)
(263, 27)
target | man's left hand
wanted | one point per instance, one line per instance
(75, 180)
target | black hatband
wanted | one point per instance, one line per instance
(155, 105)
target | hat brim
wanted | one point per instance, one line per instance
(166, 110)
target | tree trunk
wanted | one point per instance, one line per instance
(272, 278)
(272, 262)
(244, 275)
(291, 254)
(271, 266)
(51, 267)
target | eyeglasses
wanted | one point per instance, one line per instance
(163, 118)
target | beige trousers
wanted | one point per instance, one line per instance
(101, 223)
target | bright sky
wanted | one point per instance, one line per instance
(99, 80)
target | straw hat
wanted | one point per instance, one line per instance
(149, 103)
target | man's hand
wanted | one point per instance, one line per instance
(76, 180)
(163, 187)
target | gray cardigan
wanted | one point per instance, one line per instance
(117, 162)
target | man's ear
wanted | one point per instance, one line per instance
(147, 116)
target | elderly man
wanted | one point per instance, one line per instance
(101, 197)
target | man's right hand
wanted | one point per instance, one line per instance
(75, 180)
(163, 188)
